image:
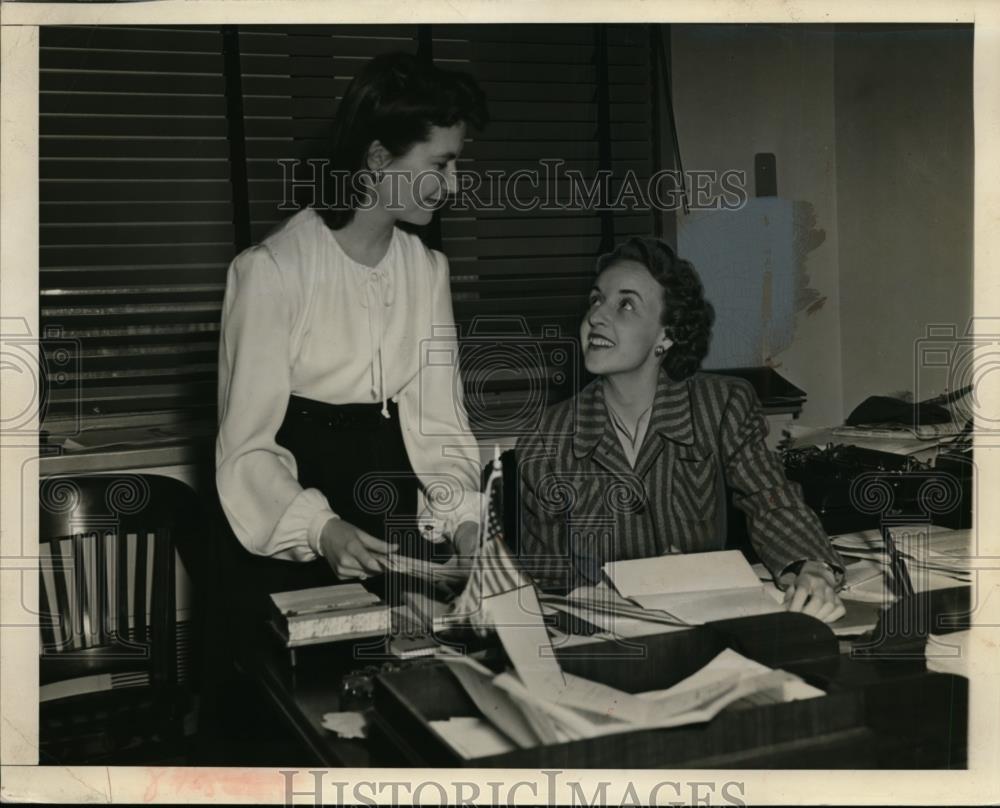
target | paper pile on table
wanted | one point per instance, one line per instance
(936, 558)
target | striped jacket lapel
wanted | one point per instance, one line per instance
(671, 420)
(595, 433)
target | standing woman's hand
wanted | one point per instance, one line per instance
(348, 550)
(466, 539)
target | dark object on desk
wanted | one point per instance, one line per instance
(904, 626)
(901, 584)
(957, 461)
(866, 720)
(99, 627)
(827, 475)
(887, 410)
(776, 394)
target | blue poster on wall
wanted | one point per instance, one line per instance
(752, 263)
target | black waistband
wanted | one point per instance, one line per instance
(339, 415)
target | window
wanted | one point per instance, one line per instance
(160, 152)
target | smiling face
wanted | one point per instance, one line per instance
(622, 329)
(416, 183)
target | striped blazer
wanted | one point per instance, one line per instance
(581, 504)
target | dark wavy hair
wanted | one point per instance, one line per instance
(396, 99)
(687, 316)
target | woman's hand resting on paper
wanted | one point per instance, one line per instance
(813, 591)
(349, 550)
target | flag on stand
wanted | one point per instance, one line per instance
(494, 570)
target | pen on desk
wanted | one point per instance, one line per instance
(901, 577)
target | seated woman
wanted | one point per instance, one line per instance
(637, 463)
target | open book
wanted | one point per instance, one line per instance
(694, 588)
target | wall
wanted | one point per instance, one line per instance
(740, 90)
(872, 132)
(904, 190)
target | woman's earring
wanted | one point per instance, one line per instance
(659, 350)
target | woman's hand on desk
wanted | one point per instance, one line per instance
(348, 550)
(813, 591)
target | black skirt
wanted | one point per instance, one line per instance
(356, 457)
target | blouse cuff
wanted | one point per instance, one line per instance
(298, 532)
(447, 521)
(315, 532)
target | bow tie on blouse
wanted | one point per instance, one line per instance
(377, 293)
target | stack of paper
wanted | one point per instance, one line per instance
(693, 588)
(578, 708)
(949, 653)
(328, 613)
(424, 570)
(936, 558)
(539, 703)
(472, 737)
(614, 616)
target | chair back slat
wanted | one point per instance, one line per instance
(110, 568)
(139, 590)
(163, 605)
(79, 601)
(48, 609)
(122, 587)
(101, 586)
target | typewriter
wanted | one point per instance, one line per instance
(852, 488)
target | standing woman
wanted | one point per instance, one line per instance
(333, 427)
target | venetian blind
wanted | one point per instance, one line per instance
(135, 215)
(140, 172)
(526, 268)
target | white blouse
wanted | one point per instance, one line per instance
(301, 317)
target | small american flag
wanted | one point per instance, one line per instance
(494, 571)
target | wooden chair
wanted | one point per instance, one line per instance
(108, 668)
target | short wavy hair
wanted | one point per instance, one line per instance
(396, 98)
(687, 316)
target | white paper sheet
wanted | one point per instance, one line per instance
(493, 703)
(472, 737)
(696, 699)
(517, 617)
(703, 607)
(681, 573)
(346, 725)
(949, 653)
(695, 587)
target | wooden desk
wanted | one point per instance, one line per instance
(303, 692)
(876, 714)
(303, 696)
(879, 713)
